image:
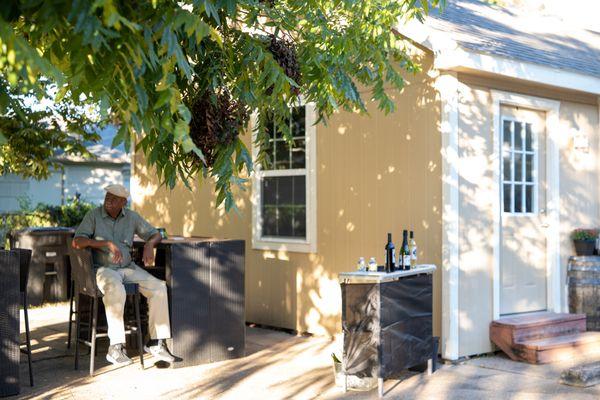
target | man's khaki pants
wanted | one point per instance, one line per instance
(110, 282)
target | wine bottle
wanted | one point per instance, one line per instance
(412, 245)
(390, 254)
(405, 252)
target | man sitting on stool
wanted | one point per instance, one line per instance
(108, 230)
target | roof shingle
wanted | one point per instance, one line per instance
(539, 39)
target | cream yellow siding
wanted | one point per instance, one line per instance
(375, 174)
(579, 204)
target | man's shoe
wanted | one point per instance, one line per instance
(159, 350)
(117, 356)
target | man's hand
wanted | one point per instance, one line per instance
(148, 256)
(117, 255)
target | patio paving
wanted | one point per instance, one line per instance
(277, 366)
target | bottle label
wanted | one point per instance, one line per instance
(413, 254)
(406, 261)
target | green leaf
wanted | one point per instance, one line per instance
(163, 98)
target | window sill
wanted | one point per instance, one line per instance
(283, 245)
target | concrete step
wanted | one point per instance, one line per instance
(543, 337)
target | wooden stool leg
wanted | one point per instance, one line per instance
(27, 335)
(93, 340)
(138, 321)
(77, 333)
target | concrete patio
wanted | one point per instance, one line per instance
(277, 366)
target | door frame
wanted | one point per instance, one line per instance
(552, 109)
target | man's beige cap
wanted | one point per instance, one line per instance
(117, 190)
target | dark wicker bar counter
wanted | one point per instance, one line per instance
(9, 323)
(387, 322)
(205, 280)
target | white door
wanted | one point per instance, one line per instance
(523, 263)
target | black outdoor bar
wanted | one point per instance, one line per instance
(9, 323)
(205, 281)
(49, 271)
(387, 322)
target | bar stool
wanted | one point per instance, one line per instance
(72, 311)
(24, 260)
(85, 284)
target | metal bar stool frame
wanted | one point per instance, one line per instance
(85, 284)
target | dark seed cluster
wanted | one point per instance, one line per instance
(284, 52)
(217, 119)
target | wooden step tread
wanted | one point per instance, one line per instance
(577, 339)
(537, 319)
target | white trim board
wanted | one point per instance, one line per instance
(447, 86)
(552, 108)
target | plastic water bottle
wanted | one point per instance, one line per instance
(372, 265)
(361, 266)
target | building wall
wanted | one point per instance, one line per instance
(375, 174)
(579, 204)
(14, 188)
(87, 179)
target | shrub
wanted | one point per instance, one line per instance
(584, 234)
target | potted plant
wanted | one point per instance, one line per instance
(584, 241)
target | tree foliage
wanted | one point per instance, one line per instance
(158, 67)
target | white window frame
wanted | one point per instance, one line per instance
(523, 183)
(308, 245)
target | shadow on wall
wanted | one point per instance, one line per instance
(375, 175)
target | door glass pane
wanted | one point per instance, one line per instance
(506, 193)
(518, 136)
(507, 167)
(506, 146)
(518, 167)
(528, 138)
(529, 198)
(529, 168)
(518, 198)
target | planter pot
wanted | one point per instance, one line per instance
(585, 247)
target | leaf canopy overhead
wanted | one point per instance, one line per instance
(158, 67)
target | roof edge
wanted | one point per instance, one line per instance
(448, 55)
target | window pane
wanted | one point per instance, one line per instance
(529, 167)
(506, 136)
(298, 121)
(299, 184)
(284, 206)
(529, 198)
(269, 216)
(269, 191)
(285, 221)
(506, 166)
(299, 154)
(269, 160)
(300, 222)
(518, 198)
(507, 197)
(518, 136)
(282, 152)
(528, 138)
(518, 167)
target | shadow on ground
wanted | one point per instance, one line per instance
(277, 366)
